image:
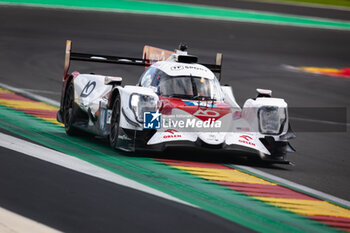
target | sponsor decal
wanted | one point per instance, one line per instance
(246, 140)
(181, 67)
(172, 134)
(243, 129)
(88, 89)
(195, 68)
(236, 115)
(199, 103)
(206, 113)
(176, 68)
(152, 120)
(172, 131)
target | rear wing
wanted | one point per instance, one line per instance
(97, 58)
(150, 56)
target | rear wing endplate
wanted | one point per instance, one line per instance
(153, 55)
(218, 65)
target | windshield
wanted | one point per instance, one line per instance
(190, 87)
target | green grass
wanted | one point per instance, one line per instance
(345, 3)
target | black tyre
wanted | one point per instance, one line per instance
(69, 111)
(113, 135)
(279, 150)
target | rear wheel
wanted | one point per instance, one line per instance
(68, 111)
(113, 136)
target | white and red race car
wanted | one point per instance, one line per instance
(176, 103)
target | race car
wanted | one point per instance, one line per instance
(177, 102)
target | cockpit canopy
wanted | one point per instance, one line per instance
(182, 86)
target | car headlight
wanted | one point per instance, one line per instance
(271, 119)
(142, 103)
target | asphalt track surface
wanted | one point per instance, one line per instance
(72, 202)
(32, 44)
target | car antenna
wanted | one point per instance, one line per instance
(183, 47)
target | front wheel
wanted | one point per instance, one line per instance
(113, 135)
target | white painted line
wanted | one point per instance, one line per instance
(78, 165)
(295, 185)
(13, 223)
(30, 95)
